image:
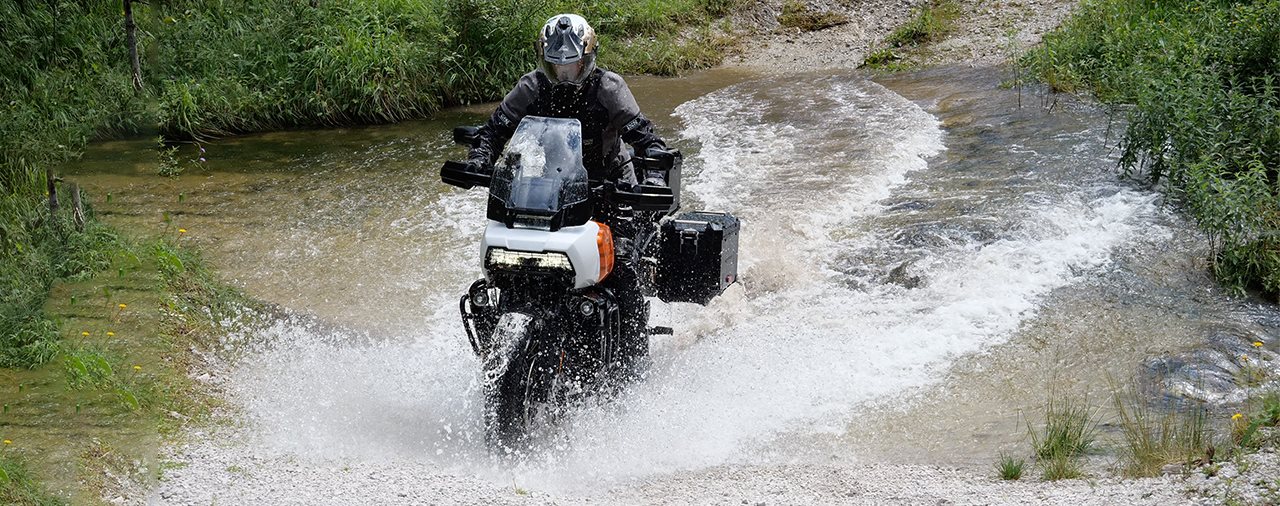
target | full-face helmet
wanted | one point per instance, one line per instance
(567, 49)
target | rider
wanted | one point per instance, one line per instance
(568, 84)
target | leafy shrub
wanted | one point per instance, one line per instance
(1205, 118)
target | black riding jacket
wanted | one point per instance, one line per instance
(603, 104)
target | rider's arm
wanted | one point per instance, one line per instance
(502, 124)
(632, 126)
(625, 116)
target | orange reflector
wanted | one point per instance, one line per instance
(604, 241)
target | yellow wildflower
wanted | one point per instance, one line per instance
(122, 306)
(137, 368)
(1237, 416)
(182, 231)
(111, 334)
(85, 333)
(8, 442)
(1257, 344)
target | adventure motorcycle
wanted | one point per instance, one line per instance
(544, 325)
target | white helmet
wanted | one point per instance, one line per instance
(567, 48)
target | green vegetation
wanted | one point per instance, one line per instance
(121, 381)
(1070, 429)
(1204, 114)
(795, 14)
(1244, 429)
(40, 246)
(886, 60)
(1153, 440)
(17, 487)
(929, 24)
(1009, 468)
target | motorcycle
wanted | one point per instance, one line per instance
(543, 322)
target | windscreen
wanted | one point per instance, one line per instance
(541, 170)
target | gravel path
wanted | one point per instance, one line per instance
(221, 470)
(221, 464)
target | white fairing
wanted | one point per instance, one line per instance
(577, 242)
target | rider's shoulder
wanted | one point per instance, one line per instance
(610, 80)
(532, 78)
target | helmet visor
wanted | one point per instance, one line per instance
(566, 73)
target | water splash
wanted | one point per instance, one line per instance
(813, 335)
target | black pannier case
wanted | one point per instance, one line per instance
(698, 257)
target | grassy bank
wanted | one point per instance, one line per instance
(1198, 81)
(129, 338)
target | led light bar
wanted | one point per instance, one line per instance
(500, 258)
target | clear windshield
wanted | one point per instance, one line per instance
(541, 169)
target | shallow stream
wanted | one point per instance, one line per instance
(923, 261)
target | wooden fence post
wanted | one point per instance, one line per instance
(53, 193)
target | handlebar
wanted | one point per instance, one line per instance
(457, 174)
(639, 197)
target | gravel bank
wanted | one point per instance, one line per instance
(988, 33)
(221, 468)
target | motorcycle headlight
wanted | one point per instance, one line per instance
(500, 258)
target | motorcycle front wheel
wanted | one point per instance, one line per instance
(517, 382)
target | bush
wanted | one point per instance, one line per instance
(1205, 118)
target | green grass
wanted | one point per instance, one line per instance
(885, 60)
(930, 23)
(1156, 438)
(1200, 83)
(121, 382)
(18, 487)
(1009, 468)
(378, 62)
(1068, 433)
(1263, 411)
(795, 14)
(39, 248)
(1060, 467)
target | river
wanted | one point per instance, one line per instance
(925, 257)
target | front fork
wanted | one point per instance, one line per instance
(584, 328)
